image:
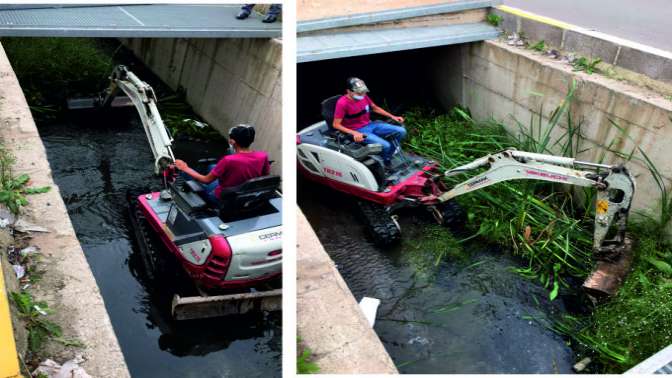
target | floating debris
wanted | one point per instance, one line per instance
(418, 340)
(581, 365)
(369, 307)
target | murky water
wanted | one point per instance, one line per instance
(95, 160)
(457, 317)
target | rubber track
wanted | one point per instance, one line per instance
(454, 216)
(146, 241)
(379, 224)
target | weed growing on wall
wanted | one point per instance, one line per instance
(14, 189)
(494, 19)
(304, 363)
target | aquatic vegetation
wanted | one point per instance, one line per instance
(630, 327)
(52, 69)
(182, 122)
(426, 251)
(541, 222)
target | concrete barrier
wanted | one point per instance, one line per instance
(68, 285)
(227, 82)
(329, 319)
(504, 82)
(652, 62)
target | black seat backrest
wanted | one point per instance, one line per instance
(328, 110)
(248, 196)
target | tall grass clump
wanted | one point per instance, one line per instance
(541, 222)
(632, 326)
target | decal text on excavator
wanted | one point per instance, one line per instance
(477, 182)
(333, 172)
(545, 174)
(271, 236)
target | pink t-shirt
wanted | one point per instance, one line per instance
(235, 169)
(355, 114)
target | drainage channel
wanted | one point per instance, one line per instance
(96, 158)
(455, 317)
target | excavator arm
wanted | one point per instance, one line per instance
(143, 98)
(615, 189)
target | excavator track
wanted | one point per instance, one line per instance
(379, 223)
(154, 264)
(453, 215)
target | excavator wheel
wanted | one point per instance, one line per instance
(380, 225)
(454, 217)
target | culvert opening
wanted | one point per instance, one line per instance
(95, 159)
(397, 80)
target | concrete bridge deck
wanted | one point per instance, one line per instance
(151, 21)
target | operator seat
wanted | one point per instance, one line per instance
(248, 198)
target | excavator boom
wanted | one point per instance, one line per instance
(615, 190)
(141, 95)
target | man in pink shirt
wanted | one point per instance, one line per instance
(234, 169)
(353, 116)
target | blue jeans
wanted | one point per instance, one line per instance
(208, 188)
(375, 131)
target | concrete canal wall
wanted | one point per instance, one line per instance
(329, 320)
(227, 81)
(68, 285)
(503, 82)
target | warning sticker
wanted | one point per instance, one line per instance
(602, 206)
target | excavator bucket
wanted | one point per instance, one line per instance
(609, 275)
(222, 305)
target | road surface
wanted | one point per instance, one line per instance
(646, 22)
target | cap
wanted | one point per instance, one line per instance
(357, 85)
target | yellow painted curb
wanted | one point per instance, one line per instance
(9, 362)
(536, 17)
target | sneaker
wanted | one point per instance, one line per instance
(270, 18)
(243, 15)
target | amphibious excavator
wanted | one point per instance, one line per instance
(231, 252)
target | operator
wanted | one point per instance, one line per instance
(234, 169)
(353, 116)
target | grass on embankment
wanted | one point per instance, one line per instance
(550, 230)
